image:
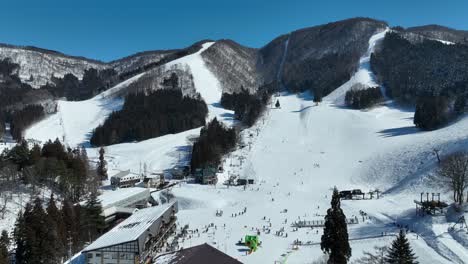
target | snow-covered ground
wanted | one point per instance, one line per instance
(296, 154)
(74, 122)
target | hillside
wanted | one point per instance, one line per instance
(295, 153)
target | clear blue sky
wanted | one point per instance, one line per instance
(107, 30)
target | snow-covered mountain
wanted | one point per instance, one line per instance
(295, 153)
(37, 66)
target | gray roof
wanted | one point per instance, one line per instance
(131, 228)
(121, 174)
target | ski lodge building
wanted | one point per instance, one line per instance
(125, 179)
(136, 239)
(121, 203)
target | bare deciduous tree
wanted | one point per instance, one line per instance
(377, 257)
(453, 172)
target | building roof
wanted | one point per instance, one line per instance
(113, 198)
(200, 254)
(131, 228)
(121, 174)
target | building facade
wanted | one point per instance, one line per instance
(136, 239)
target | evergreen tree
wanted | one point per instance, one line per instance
(277, 105)
(102, 169)
(56, 231)
(317, 96)
(70, 227)
(335, 234)
(38, 237)
(400, 252)
(4, 243)
(93, 222)
(431, 112)
(22, 236)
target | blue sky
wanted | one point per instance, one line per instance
(107, 30)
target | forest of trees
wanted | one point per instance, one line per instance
(430, 74)
(66, 171)
(145, 116)
(247, 107)
(363, 98)
(324, 74)
(22, 119)
(73, 89)
(173, 56)
(411, 70)
(215, 141)
(56, 233)
(432, 112)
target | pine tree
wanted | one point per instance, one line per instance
(4, 243)
(56, 231)
(335, 234)
(94, 223)
(39, 237)
(277, 105)
(67, 218)
(400, 252)
(22, 236)
(101, 169)
(317, 96)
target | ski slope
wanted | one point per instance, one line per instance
(206, 84)
(296, 154)
(363, 75)
(74, 121)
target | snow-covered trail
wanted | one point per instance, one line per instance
(363, 75)
(74, 121)
(206, 84)
(279, 75)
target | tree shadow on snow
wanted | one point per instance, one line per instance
(303, 109)
(399, 131)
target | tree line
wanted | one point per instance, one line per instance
(61, 169)
(145, 116)
(247, 107)
(215, 141)
(167, 58)
(73, 89)
(56, 233)
(22, 119)
(429, 68)
(363, 98)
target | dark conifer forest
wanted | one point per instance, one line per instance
(22, 119)
(247, 107)
(56, 233)
(156, 114)
(411, 70)
(360, 99)
(53, 165)
(215, 141)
